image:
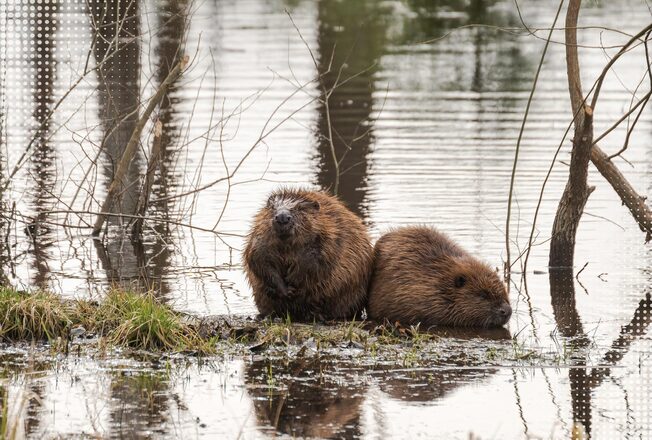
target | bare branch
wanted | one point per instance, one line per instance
(134, 142)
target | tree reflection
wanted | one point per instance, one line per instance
(139, 404)
(433, 19)
(42, 162)
(116, 46)
(351, 39)
(117, 28)
(155, 253)
(5, 258)
(584, 379)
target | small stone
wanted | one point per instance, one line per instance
(77, 332)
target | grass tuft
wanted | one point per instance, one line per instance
(139, 321)
(124, 318)
(30, 316)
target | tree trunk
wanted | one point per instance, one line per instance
(576, 193)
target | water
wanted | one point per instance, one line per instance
(425, 133)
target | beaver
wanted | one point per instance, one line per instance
(422, 277)
(309, 257)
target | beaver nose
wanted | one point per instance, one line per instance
(282, 218)
(505, 311)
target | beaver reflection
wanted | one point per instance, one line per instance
(439, 378)
(426, 386)
(308, 397)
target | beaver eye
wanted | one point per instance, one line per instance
(460, 281)
(484, 294)
(309, 204)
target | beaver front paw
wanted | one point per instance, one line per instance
(271, 292)
(279, 292)
(293, 291)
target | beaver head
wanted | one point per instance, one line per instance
(290, 214)
(475, 292)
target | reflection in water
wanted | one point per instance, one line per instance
(487, 70)
(322, 396)
(351, 39)
(478, 12)
(431, 385)
(115, 26)
(306, 397)
(139, 404)
(431, 19)
(583, 381)
(447, 373)
(21, 400)
(4, 223)
(42, 162)
(33, 402)
(156, 253)
(562, 293)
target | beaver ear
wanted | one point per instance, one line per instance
(270, 201)
(460, 281)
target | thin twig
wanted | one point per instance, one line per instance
(325, 101)
(518, 143)
(141, 207)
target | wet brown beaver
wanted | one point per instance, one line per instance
(308, 257)
(422, 276)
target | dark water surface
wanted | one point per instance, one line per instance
(425, 132)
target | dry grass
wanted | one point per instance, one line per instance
(32, 316)
(140, 321)
(124, 318)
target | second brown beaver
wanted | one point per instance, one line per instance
(422, 277)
